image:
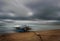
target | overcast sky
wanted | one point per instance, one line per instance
(30, 9)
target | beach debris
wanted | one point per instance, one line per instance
(39, 36)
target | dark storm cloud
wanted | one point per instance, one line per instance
(42, 9)
(46, 9)
(48, 14)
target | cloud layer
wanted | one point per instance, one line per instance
(30, 9)
(45, 9)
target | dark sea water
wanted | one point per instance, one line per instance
(35, 25)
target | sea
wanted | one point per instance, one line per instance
(9, 26)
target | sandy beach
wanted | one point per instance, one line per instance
(51, 35)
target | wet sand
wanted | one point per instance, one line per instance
(51, 35)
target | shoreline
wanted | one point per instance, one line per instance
(50, 35)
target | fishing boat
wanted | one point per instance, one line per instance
(23, 29)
